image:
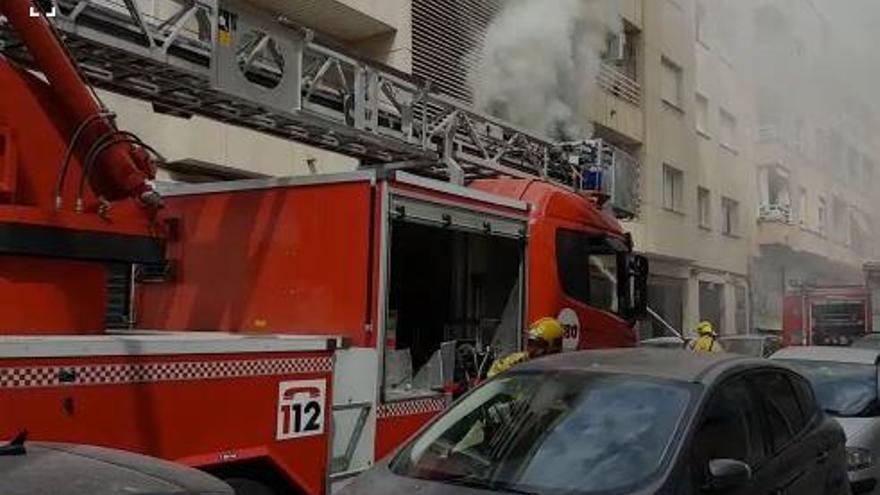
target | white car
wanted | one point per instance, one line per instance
(845, 381)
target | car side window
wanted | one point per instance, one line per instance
(781, 404)
(806, 399)
(730, 428)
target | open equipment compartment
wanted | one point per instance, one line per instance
(455, 294)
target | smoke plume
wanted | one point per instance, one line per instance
(539, 63)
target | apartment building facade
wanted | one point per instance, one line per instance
(662, 101)
(814, 154)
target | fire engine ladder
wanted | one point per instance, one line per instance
(224, 60)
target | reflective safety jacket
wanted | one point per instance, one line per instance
(503, 364)
(705, 343)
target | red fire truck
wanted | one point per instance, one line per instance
(826, 315)
(284, 333)
(832, 315)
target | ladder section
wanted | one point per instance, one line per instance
(224, 60)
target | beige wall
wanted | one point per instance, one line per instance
(678, 246)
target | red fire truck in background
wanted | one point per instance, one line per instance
(832, 315)
(285, 333)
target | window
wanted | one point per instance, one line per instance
(671, 83)
(673, 188)
(741, 306)
(842, 389)
(729, 216)
(588, 269)
(704, 208)
(666, 297)
(730, 428)
(711, 304)
(822, 220)
(802, 206)
(728, 129)
(784, 416)
(563, 432)
(700, 21)
(806, 399)
(703, 115)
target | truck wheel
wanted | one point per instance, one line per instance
(244, 486)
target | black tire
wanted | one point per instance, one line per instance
(244, 486)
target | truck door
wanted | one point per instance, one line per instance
(592, 305)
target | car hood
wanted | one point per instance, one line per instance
(70, 469)
(857, 428)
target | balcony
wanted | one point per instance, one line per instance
(619, 84)
(775, 230)
(775, 213)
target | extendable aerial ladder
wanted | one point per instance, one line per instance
(224, 60)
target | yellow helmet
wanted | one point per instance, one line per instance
(547, 329)
(705, 328)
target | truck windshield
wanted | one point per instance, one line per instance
(568, 433)
(588, 269)
(842, 389)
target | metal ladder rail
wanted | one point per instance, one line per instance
(324, 97)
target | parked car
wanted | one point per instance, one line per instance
(626, 421)
(751, 345)
(845, 384)
(869, 341)
(664, 343)
(70, 469)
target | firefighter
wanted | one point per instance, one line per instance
(706, 340)
(545, 337)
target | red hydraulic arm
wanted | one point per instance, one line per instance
(120, 170)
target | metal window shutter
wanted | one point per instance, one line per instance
(446, 38)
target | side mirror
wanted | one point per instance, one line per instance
(728, 473)
(639, 271)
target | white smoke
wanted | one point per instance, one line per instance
(539, 63)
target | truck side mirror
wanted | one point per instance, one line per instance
(639, 273)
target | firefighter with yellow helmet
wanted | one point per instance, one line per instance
(707, 339)
(545, 337)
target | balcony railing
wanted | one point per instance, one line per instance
(775, 213)
(619, 84)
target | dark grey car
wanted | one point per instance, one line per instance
(635, 421)
(70, 469)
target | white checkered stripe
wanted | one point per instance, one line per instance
(411, 407)
(107, 374)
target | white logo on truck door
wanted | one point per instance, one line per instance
(571, 327)
(300, 408)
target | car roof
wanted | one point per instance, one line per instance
(829, 353)
(673, 364)
(59, 468)
(662, 340)
(747, 337)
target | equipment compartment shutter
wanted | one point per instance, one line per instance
(118, 295)
(413, 210)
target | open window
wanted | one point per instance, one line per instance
(455, 296)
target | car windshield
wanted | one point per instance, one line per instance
(567, 433)
(842, 389)
(748, 347)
